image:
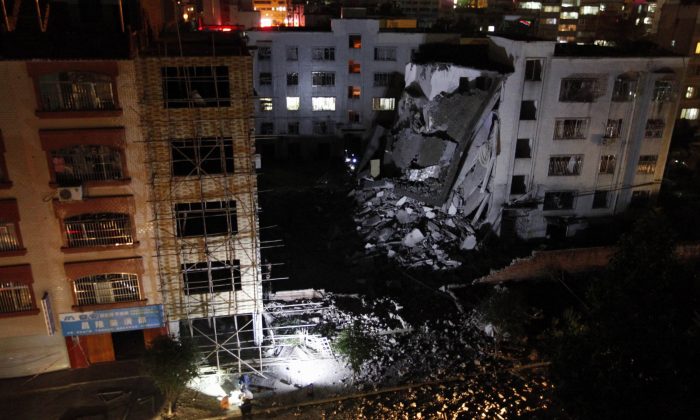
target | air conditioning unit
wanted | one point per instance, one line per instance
(70, 194)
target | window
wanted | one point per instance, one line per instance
(353, 67)
(533, 70)
(551, 9)
(267, 128)
(211, 277)
(355, 42)
(532, 5)
(321, 127)
(654, 128)
(98, 229)
(600, 199)
(382, 79)
(323, 103)
(16, 297)
(528, 110)
(353, 117)
(568, 15)
(4, 179)
(589, 10)
(517, 185)
(690, 92)
(640, 198)
(647, 164)
(292, 79)
(204, 86)
(522, 149)
(293, 128)
(292, 54)
(323, 54)
(77, 164)
(383, 104)
(663, 91)
(559, 200)
(292, 103)
(578, 90)
(613, 129)
(607, 164)
(569, 165)
(689, 113)
(354, 92)
(107, 288)
(568, 129)
(567, 27)
(697, 48)
(265, 79)
(264, 53)
(76, 91)
(548, 21)
(204, 156)
(322, 78)
(624, 89)
(9, 237)
(265, 104)
(208, 218)
(385, 54)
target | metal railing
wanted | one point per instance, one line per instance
(82, 163)
(104, 229)
(15, 297)
(76, 96)
(8, 237)
(107, 288)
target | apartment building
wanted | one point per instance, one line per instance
(315, 87)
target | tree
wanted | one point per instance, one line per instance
(356, 345)
(633, 351)
(171, 364)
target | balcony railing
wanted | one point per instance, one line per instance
(98, 230)
(107, 288)
(15, 297)
(77, 96)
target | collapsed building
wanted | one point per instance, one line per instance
(529, 138)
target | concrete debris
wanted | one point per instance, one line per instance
(413, 238)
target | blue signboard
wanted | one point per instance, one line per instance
(111, 320)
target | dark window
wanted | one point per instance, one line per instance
(533, 70)
(522, 149)
(321, 127)
(185, 87)
(607, 164)
(382, 79)
(293, 128)
(624, 89)
(101, 229)
(640, 198)
(206, 156)
(600, 199)
(353, 117)
(208, 218)
(77, 164)
(528, 110)
(76, 91)
(578, 90)
(613, 129)
(517, 185)
(292, 54)
(654, 128)
(323, 54)
(211, 277)
(385, 54)
(267, 128)
(568, 165)
(322, 78)
(292, 79)
(560, 200)
(265, 78)
(569, 129)
(355, 41)
(264, 53)
(107, 288)
(663, 90)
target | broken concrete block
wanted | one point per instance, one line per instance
(469, 243)
(420, 175)
(413, 238)
(385, 234)
(401, 202)
(430, 215)
(403, 217)
(452, 210)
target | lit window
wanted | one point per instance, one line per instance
(292, 103)
(15, 297)
(570, 27)
(549, 21)
(354, 92)
(355, 42)
(491, 28)
(323, 103)
(532, 5)
(551, 9)
(647, 20)
(383, 104)
(689, 113)
(107, 288)
(9, 237)
(589, 10)
(266, 104)
(690, 92)
(697, 48)
(353, 67)
(79, 91)
(647, 164)
(568, 15)
(100, 229)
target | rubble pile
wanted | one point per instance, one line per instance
(411, 233)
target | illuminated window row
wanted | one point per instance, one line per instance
(328, 103)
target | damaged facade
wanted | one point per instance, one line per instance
(532, 138)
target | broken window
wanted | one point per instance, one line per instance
(321, 127)
(569, 129)
(292, 79)
(613, 129)
(292, 54)
(265, 79)
(353, 117)
(517, 185)
(205, 156)
(558, 200)
(353, 67)
(568, 165)
(522, 149)
(663, 91)
(293, 128)
(624, 89)
(578, 90)
(107, 288)
(533, 70)
(208, 218)
(354, 92)
(265, 104)
(98, 229)
(323, 103)
(528, 110)
(267, 128)
(204, 86)
(322, 78)
(607, 164)
(654, 128)
(211, 277)
(600, 199)
(77, 164)
(264, 53)
(383, 104)
(293, 103)
(323, 54)
(355, 42)
(382, 79)
(385, 54)
(647, 164)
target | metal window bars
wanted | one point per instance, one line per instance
(578, 90)
(107, 288)
(8, 237)
(78, 164)
(570, 129)
(565, 165)
(607, 164)
(76, 96)
(103, 229)
(15, 297)
(647, 164)
(654, 128)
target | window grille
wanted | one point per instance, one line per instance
(78, 164)
(663, 91)
(292, 54)
(102, 229)
(264, 53)
(323, 54)
(382, 79)
(613, 128)
(654, 128)
(385, 54)
(570, 129)
(107, 288)
(322, 78)
(607, 164)
(578, 90)
(76, 91)
(15, 297)
(624, 89)
(9, 241)
(383, 104)
(565, 165)
(647, 164)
